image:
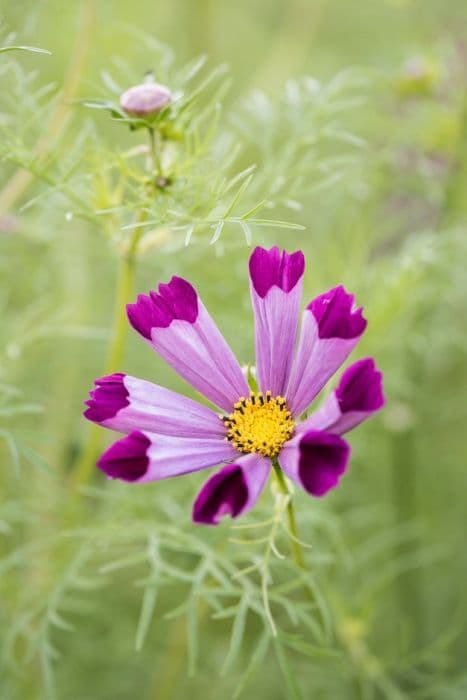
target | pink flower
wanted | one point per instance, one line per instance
(169, 434)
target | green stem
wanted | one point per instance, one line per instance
(453, 194)
(156, 165)
(125, 278)
(15, 187)
(123, 296)
(295, 546)
(409, 585)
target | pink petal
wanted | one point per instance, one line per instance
(276, 290)
(142, 456)
(177, 325)
(358, 396)
(124, 403)
(330, 330)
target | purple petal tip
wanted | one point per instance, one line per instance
(361, 387)
(175, 300)
(107, 398)
(225, 493)
(127, 458)
(335, 315)
(323, 460)
(269, 268)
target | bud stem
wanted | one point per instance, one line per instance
(156, 165)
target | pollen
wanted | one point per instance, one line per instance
(260, 423)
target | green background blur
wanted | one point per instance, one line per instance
(393, 231)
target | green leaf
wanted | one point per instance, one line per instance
(243, 187)
(147, 611)
(31, 49)
(279, 224)
(256, 660)
(293, 689)
(238, 630)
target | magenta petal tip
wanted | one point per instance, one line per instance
(269, 268)
(175, 300)
(335, 315)
(323, 460)
(361, 387)
(107, 398)
(225, 493)
(126, 459)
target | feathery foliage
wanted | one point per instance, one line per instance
(107, 590)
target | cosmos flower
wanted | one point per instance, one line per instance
(168, 434)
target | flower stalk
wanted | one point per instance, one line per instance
(295, 545)
(124, 292)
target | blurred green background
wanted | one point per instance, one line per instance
(375, 170)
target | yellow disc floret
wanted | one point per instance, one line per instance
(260, 423)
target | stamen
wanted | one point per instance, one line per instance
(260, 423)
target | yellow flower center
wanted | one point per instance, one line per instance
(260, 423)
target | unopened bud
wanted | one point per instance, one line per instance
(145, 100)
(419, 77)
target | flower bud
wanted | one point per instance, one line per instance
(418, 77)
(145, 100)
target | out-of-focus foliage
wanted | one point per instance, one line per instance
(349, 119)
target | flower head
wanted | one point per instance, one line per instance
(168, 434)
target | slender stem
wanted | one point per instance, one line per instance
(156, 165)
(453, 194)
(124, 292)
(126, 272)
(409, 585)
(295, 546)
(21, 179)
